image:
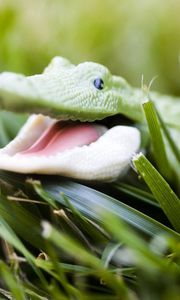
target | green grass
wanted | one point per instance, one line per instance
(61, 239)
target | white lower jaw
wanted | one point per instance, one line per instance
(106, 159)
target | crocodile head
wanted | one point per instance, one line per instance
(62, 136)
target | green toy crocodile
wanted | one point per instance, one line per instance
(62, 136)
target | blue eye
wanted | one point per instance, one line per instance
(99, 83)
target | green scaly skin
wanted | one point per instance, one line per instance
(67, 91)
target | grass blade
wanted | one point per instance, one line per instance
(109, 252)
(8, 235)
(72, 247)
(159, 150)
(91, 202)
(136, 192)
(171, 142)
(160, 189)
(27, 222)
(14, 286)
(143, 256)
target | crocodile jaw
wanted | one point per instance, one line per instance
(105, 159)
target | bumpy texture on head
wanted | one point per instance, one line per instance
(86, 92)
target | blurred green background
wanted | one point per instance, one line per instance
(131, 37)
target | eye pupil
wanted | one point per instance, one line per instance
(99, 83)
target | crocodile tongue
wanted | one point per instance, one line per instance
(62, 136)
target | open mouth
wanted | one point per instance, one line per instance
(62, 136)
(88, 151)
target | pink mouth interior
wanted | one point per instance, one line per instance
(62, 136)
